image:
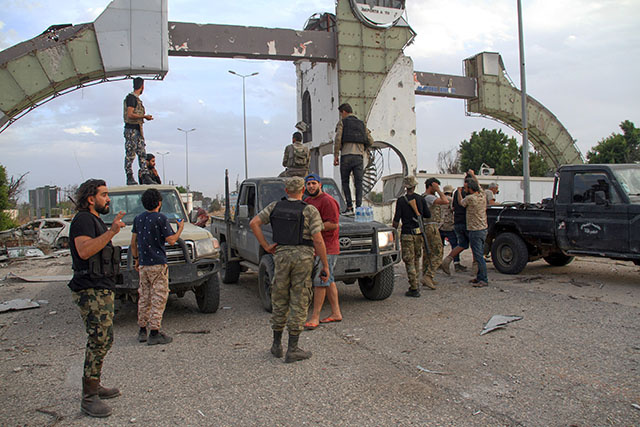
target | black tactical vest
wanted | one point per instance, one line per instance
(353, 130)
(459, 211)
(287, 223)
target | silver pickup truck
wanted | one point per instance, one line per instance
(368, 250)
(193, 261)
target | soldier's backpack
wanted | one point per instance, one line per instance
(300, 156)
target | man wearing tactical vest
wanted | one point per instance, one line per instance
(349, 148)
(297, 229)
(134, 116)
(435, 198)
(296, 158)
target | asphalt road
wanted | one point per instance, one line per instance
(573, 360)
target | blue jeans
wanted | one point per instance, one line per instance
(352, 163)
(476, 241)
(453, 241)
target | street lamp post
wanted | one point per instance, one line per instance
(244, 115)
(186, 148)
(160, 153)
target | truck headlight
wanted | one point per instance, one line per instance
(385, 239)
(206, 247)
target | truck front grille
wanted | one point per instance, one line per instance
(356, 244)
(175, 255)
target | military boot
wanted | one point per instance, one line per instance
(107, 392)
(295, 353)
(276, 347)
(131, 180)
(91, 404)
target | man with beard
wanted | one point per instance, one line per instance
(134, 116)
(151, 168)
(95, 265)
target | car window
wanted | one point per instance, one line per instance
(52, 224)
(586, 185)
(131, 204)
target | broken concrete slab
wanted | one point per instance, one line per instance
(18, 304)
(59, 278)
(498, 321)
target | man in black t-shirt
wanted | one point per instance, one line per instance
(93, 286)
(411, 239)
(151, 168)
(134, 116)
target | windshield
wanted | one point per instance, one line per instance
(274, 191)
(629, 180)
(131, 203)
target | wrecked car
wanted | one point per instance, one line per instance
(53, 232)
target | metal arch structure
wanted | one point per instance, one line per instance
(131, 37)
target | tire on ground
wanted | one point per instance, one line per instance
(558, 259)
(229, 271)
(266, 272)
(378, 287)
(208, 294)
(509, 253)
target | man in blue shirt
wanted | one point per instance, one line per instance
(151, 230)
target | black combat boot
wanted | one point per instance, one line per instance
(91, 404)
(295, 353)
(131, 180)
(276, 347)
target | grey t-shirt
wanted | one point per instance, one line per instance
(430, 199)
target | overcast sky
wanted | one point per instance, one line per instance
(582, 60)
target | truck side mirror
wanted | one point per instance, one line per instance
(601, 198)
(243, 211)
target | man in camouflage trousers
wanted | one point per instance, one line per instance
(297, 229)
(435, 199)
(93, 285)
(134, 116)
(151, 230)
(411, 239)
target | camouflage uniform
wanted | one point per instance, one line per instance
(411, 253)
(153, 292)
(433, 260)
(96, 307)
(296, 160)
(134, 146)
(291, 287)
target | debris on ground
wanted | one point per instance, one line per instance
(429, 371)
(498, 321)
(200, 331)
(18, 304)
(60, 278)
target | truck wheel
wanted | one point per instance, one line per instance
(208, 294)
(509, 253)
(265, 278)
(230, 271)
(558, 259)
(378, 287)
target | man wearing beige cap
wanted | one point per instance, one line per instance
(411, 239)
(297, 228)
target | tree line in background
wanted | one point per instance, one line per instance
(502, 153)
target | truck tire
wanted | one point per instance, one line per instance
(558, 259)
(229, 271)
(208, 294)
(378, 287)
(509, 253)
(266, 272)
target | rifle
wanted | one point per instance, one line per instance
(414, 206)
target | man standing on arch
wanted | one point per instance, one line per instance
(350, 145)
(134, 116)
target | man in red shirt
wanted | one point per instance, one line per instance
(330, 214)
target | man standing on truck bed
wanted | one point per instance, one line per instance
(411, 239)
(297, 230)
(95, 264)
(350, 145)
(296, 158)
(151, 230)
(134, 116)
(330, 214)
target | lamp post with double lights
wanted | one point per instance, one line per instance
(186, 147)
(244, 115)
(161, 153)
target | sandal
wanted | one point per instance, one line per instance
(330, 320)
(310, 326)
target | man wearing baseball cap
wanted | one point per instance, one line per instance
(330, 214)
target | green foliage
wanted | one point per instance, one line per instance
(215, 205)
(500, 152)
(5, 221)
(181, 189)
(617, 148)
(375, 197)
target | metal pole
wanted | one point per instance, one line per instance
(244, 118)
(163, 167)
(525, 130)
(186, 146)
